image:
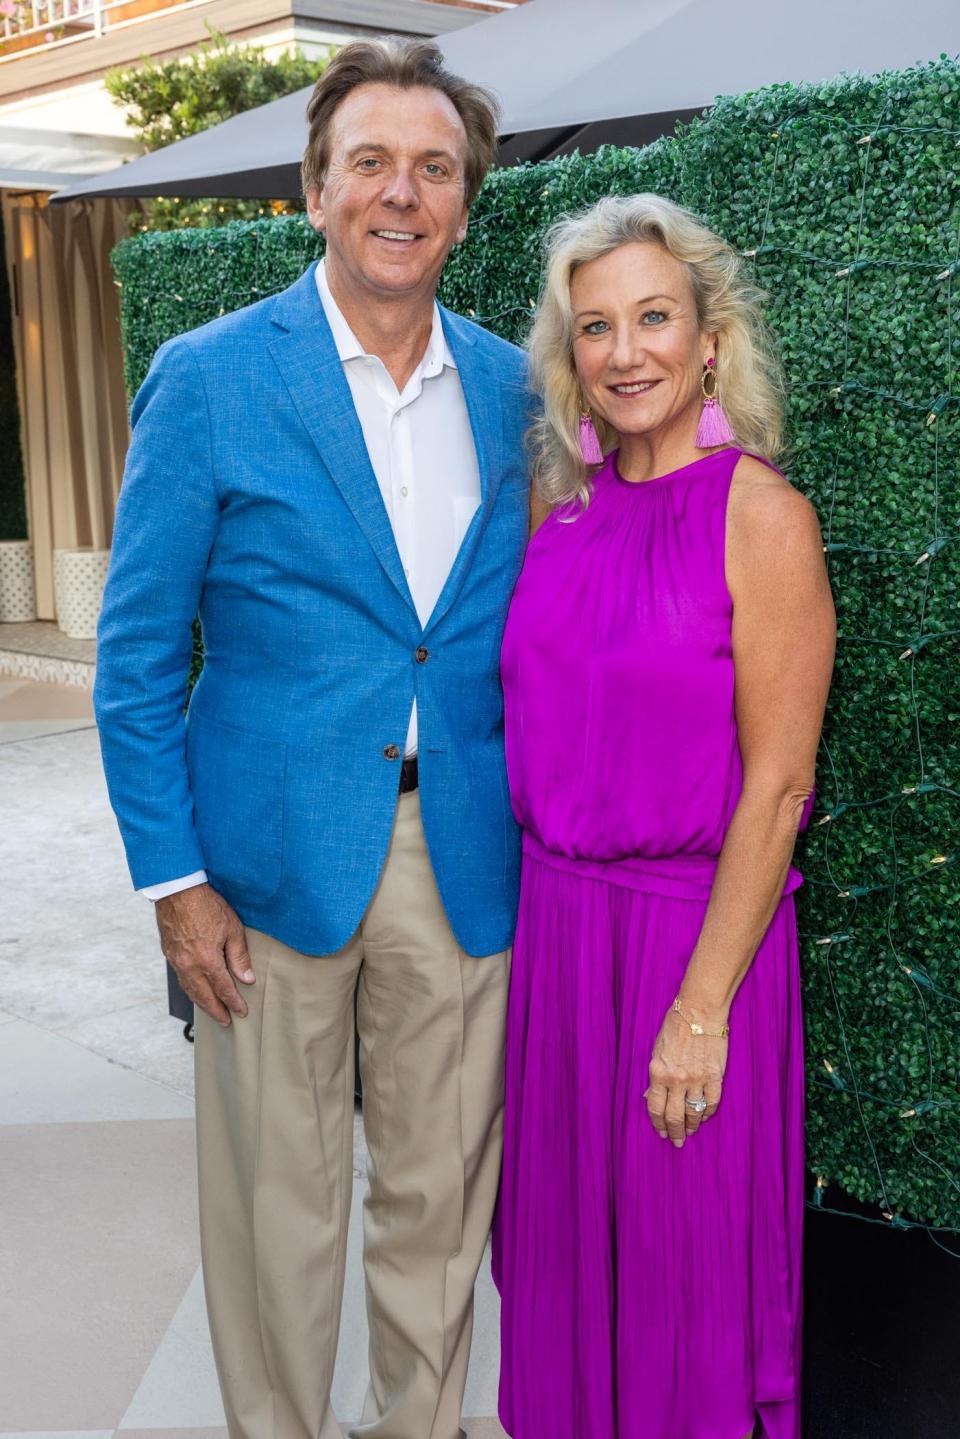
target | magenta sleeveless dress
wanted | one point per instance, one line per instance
(647, 1292)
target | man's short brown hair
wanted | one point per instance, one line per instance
(407, 64)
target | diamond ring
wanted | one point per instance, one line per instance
(697, 1105)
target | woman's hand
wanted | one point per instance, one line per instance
(685, 1066)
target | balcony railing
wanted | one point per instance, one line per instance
(29, 25)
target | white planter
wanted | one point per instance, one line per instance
(78, 580)
(18, 596)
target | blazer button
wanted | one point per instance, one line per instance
(422, 655)
(392, 751)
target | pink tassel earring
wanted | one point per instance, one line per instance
(589, 441)
(714, 427)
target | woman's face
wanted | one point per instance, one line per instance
(638, 349)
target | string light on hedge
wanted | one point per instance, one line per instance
(835, 1081)
(933, 547)
(923, 1106)
(849, 267)
(834, 813)
(889, 1219)
(854, 268)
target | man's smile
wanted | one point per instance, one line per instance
(397, 237)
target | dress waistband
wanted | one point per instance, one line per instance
(676, 876)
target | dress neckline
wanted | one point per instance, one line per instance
(614, 455)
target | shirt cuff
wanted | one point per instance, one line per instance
(174, 886)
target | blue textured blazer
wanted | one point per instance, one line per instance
(249, 498)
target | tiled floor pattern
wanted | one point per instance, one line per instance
(101, 1310)
(39, 650)
(43, 637)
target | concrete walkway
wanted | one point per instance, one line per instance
(101, 1312)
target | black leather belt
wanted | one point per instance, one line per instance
(409, 779)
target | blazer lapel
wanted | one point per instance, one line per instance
(307, 358)
(481, 391)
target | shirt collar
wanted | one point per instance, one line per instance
(435, 356)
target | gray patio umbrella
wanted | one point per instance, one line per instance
(570, 74)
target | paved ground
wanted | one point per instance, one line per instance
(101, 1311)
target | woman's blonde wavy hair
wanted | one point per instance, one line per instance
(750, 377)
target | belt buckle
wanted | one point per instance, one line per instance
(409, 776)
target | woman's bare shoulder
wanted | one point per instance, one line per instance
(766, 508)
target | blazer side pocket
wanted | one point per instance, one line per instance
(237, 782)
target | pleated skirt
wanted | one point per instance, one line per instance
(647, 1292)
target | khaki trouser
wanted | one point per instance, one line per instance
(275, 1144)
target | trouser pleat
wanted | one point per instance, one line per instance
(275, 1144)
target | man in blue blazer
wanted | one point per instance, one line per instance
(334, 479)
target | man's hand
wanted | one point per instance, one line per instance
(203, 939)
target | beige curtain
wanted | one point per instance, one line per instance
(73, 407)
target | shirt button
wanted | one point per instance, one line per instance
(403, 490)
(392, 751)
(422, 655)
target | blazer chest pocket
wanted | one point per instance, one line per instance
(237, 783)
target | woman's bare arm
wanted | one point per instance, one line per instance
(783, 646)
(784, 631)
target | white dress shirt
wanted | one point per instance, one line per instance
(421, 449)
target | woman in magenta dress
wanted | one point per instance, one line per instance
(666, 664)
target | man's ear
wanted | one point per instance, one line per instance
(315, 211)
(462, 228)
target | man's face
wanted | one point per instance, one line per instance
(392, 200)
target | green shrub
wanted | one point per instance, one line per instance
(847, 195)
(168, 100)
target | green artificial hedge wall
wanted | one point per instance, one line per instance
(13, 499)
(846, 196)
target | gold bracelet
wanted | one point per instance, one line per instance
(696, 1028)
